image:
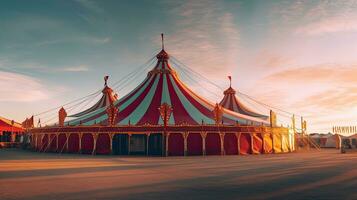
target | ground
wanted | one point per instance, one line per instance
(325, 174)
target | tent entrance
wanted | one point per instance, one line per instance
(137, 144)
(155, 144)
(120, 144)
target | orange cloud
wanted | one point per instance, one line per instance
(326, 94)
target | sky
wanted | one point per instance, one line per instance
(299, 56)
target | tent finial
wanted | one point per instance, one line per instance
(106, 80)
(162, 41)
(230, 81)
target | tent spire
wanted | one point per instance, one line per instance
(230, 81)
(162, 41)
(106, 80)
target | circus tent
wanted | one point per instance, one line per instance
(231, 102)
(162, 85)
(108, 97)
(161, 116)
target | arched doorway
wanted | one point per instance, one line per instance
(230, 144)
(120, 144)
(213, 144)
(44, 143)
(176, 144)
(137, 144)
(53, 143)
(61, 143)
(194, 144)
(103, 144)
(245, 146)
(257, 143)
(155, 144)
(87, 143)
(73, 143)
(268, 143)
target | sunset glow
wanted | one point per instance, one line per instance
(299, 56)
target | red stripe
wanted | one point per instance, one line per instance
(124, 112)
(231, 102)
(152, 113)
(179, 112)
(195, 103)
(130, 108)
(135, 91)
(120, 103)
(226, 102)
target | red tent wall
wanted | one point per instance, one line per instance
(230, 144)
(213, 144)
(39, 142)
(245, 144)
(33, 141)
(61, 142)
(268, 143)
(176, 144)
(103, 144)
(73, 143)
(44, 143)
(87, 143)
(257, 143)
(194, 144)
(53, 143)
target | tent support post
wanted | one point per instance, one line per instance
(203, 136)
(221, 136)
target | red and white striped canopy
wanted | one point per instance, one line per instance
(162, 85)
(108, 97)
(231, 102)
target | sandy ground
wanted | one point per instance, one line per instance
(326, 174)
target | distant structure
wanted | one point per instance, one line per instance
(10, 132)
(231, 102)
(163, 116)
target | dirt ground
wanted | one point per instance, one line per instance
(324, 174)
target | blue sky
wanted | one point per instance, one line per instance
(297, 55)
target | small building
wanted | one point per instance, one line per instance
(10, 131)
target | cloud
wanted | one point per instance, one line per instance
(205, 37)
(90, 5)
(327, 73)
(329, 25)
(99, 40)
(322, 93)
(22, 88)
(79, 68)
(269, 60)
(313, 18)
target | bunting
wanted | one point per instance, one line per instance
(344, 129)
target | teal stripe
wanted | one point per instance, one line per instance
(165, 98)
(104, 117)
(192, 110)
(211, 107)
(138, 113)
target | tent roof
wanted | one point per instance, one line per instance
(108, 97)
(231, 102)
(163, 85)
(9, 125)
